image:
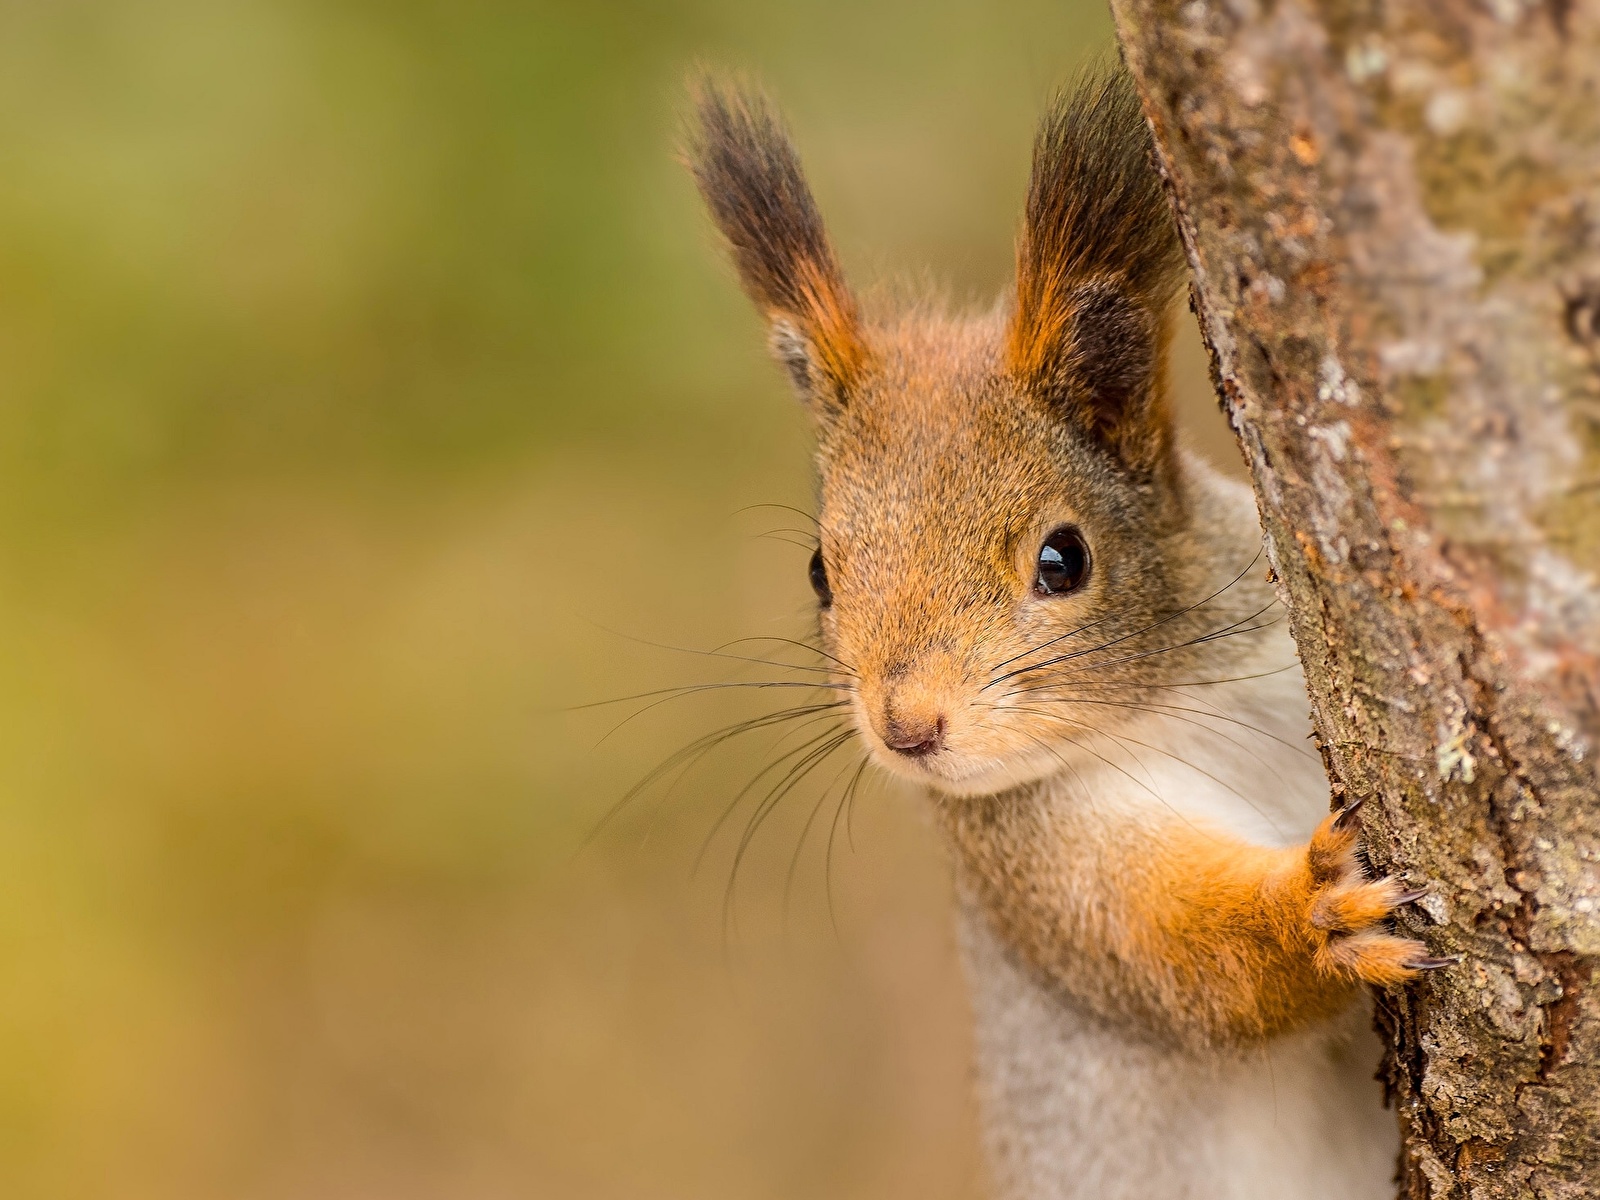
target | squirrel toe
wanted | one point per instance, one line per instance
(1349, 913)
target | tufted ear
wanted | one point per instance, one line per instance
(750, 178)
(1098, 262)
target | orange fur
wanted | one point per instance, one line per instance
(1195, 935)
(831, 320)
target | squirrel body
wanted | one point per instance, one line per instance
(1057, 623)
(1078, 1104)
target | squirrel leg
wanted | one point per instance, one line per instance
(1249, 942)
(1196, 935)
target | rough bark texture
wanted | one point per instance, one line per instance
(1392, 211)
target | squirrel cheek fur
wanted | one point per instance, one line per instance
(949, 448)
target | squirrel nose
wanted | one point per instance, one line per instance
(914, 737)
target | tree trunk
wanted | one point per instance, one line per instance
(1393, 216)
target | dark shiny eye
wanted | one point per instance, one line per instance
(819, 579)
(1063, 562)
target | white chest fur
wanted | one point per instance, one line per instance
(1073, 1110)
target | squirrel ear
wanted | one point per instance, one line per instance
(1098, 262)
(750, 178)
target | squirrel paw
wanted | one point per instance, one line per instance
(1348, 912)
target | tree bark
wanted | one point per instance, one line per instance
(1392, 212)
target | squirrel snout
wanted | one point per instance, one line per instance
(910, 704)
(916, 736)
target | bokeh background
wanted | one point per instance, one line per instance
(371, 392)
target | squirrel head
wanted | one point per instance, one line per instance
(1003, 514)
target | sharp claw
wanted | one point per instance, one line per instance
(1342, 819)
(1410, 897)
(1433, 964)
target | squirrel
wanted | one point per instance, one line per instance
(1020, 570)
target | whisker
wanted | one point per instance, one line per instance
(1209, 709)
(795, 775)
(776, 536)
(1090, 750)
(1188, 683)
(1054, 753)
(823, 713)
(767, 637)
(1162, 621)
(679, 693)
(689, 755)
(1215, 714)
(1226, 630)
(1090, 729)
(717, 653)
(688, 689)
(1166, 754)
(1231, 630)
(1153, 625)
(798, 771)
(846, 802)
(1077, 745)
(1046, 645)
(1160, 799)
(1104, 685)
(850, 816)
(695, 688)
(794, 859)
(799, 512)
(750, 786)
(1166, 709)
(1215, 636)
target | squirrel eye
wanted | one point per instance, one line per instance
(819, 579)
(1063, 562)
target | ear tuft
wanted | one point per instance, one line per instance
(750, 178)
(1098, 263)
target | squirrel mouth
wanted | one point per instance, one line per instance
(959, 774)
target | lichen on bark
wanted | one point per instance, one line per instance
(1392, 213)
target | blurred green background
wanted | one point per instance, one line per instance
(368, 379)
